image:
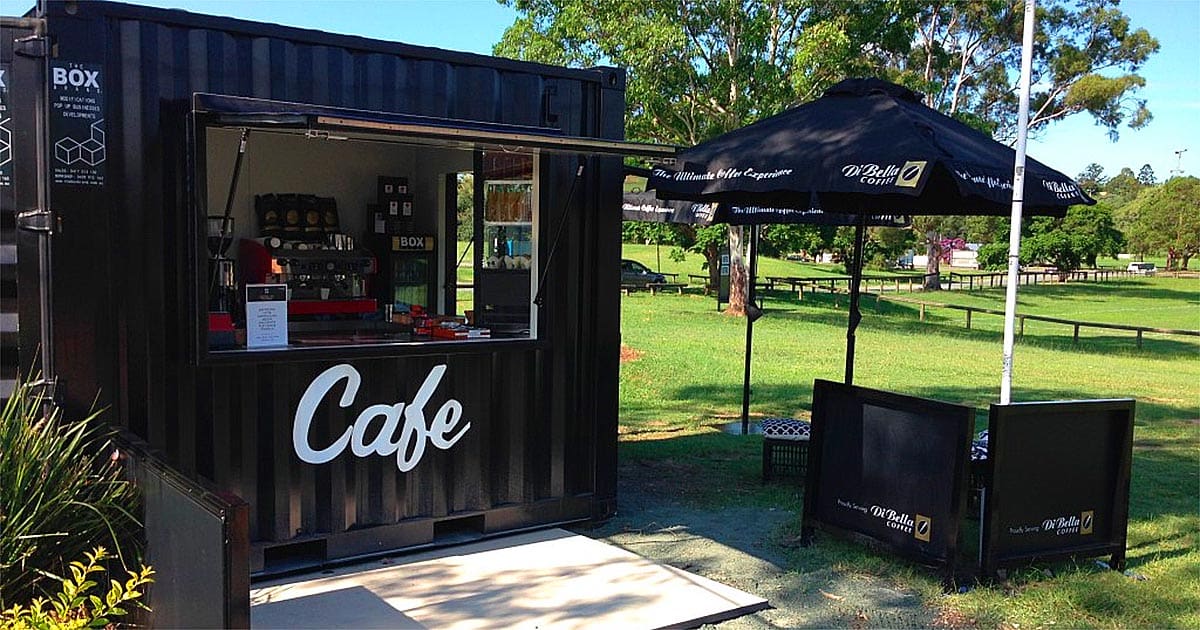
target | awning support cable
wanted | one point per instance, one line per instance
(538, 298)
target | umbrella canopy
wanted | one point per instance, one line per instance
(866, 145)
(646, 206)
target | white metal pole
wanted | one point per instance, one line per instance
(1014, 234)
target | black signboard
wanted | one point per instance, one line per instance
(888, 469)
(1059, 481)
(77, 124)
(724, 278)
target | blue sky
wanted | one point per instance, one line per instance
(1172, 76)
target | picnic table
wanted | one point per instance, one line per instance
(653, 287)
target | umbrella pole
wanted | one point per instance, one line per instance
(1018, 202)
(860, 231)
(750, 303)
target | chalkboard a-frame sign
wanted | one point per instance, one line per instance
(1059, 476)
(888, 470)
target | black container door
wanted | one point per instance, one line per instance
(23, 231)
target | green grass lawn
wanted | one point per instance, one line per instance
(686, 382)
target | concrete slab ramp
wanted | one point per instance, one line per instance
(545, 579)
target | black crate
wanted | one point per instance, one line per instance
(784, 458)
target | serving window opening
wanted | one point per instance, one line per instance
(357, 239)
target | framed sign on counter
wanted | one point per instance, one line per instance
(266, 315)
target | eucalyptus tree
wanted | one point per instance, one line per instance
(1164, 218)
(1085, 61)
(699, 68)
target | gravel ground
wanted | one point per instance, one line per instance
(748, 548)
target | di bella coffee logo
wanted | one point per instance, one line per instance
(1070, 524)
(907, 175)
(1083, 524)
(922, 527)
(919, 525)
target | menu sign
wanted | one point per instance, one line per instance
(889, 468)
(266, 315)
(1076, 505)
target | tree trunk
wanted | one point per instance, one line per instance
(933, 254)
(712, 254)
(737, 274)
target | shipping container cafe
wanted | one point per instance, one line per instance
(369, 289)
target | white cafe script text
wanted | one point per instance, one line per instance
(408, 446)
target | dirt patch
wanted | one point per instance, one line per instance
(748, 547)
(629, 354)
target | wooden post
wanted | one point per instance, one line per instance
(922, 311)
(1139, 340)
(1022, 333)
(1076, 340)
(910, 284)
(968, 319)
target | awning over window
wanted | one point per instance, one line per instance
(236, 110)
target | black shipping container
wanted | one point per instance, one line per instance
(138, 156)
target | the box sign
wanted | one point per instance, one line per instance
(1079, 505)
(80, 146)
(409, 243)
(266, 315)
(395, 430)
(890, 468)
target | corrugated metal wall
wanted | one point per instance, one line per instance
(544, 449)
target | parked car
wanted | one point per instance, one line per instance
(1144, 268)
(634, 272)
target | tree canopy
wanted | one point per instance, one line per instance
(1165, 217)
(698, 68)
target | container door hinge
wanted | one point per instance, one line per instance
(35, 46)
(36, 221)
(44, 388)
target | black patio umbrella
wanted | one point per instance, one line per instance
(645, 206)
(866, 146)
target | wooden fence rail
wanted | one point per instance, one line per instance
(999, 279)
(1075, 324)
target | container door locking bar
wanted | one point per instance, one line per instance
(41, 221)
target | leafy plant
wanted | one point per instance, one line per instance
(74, 606)
(59, 497)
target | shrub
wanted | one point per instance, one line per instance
(74, 605)
(59, 496)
